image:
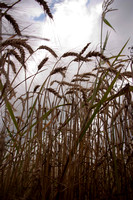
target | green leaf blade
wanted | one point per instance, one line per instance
(108, 24)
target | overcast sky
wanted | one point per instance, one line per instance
(77, 22)
(74, 24)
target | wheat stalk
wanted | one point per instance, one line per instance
(54, 92)
(13, 23)
(14, 42)
(58, 70)
(4, 5)
(15, 54)
(42, 63)
(84, 49)
(48, 49)
(10, 62)
(45, 7)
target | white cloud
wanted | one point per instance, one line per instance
(75, 24)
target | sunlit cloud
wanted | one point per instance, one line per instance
(74, 24)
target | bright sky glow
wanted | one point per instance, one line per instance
(76, 18)
(76, 22)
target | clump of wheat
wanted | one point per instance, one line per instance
(54, 92)
(48, 49)
(60, 70)
(14, 42)
(69, 141)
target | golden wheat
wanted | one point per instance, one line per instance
(72, 141)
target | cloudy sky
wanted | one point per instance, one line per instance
(77, 22)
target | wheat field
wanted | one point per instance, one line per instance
(70, 139)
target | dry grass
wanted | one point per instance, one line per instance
(66, 140)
